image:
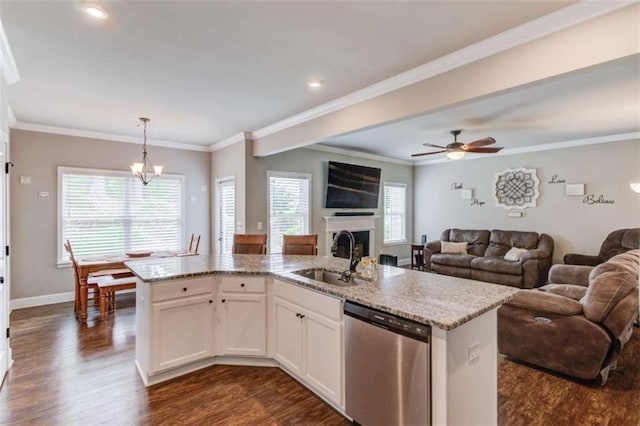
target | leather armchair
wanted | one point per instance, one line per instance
(616, 242)
(578, 325)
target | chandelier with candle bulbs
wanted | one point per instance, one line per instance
(144, 169)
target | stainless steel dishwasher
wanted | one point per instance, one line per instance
(387, 368)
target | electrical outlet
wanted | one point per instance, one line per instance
(203, 188)
(259, 226)
(474, 352)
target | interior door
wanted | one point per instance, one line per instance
(225, 214)
(4, 282)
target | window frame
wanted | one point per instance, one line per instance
(403, 240)
(62, 170)
(288, 175)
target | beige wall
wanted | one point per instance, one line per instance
(315, 162)
(605, 169)
(34, 221)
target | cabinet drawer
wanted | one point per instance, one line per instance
(243, 285)
(324, 305)
(182, 288)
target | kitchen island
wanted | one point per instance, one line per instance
(253, 310)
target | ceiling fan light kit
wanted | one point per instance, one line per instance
(457, 150)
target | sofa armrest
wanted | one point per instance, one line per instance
(570, 274)
(581, 259)
(433, 246)
(545, 303)
(575, 292)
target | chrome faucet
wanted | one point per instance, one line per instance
(354, 256)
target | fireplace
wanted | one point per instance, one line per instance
(362, 227)
(362, 244)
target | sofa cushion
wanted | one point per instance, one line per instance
(501, 241)
(477, 239)
(453, 248)
(459, 260)
(497, 264)
(609, 283)
(514, 254)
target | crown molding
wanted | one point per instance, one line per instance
(40, 128)
(566, 17)
(342, 151)
(620, 137)
(8, 66)
(238, 137)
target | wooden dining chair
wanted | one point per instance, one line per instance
(249, 244)
(92, 285)
(300, 244)
(194, 244)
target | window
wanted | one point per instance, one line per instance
(225, 213)
(395, 213)
(289, 201)
(104, 211)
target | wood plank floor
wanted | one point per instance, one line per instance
(66, 374)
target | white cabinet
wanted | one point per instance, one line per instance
(183, 332)
(288, 335)
(181, 324)
(308, 338)
(242, 313)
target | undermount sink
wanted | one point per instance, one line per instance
(328, 277)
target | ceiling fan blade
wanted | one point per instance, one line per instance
(478, 143)
(428, 153)
(435, 146)
(484, 150)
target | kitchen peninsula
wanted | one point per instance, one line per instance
(198, 311)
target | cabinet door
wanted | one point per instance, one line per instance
(243, 328)
(323, 360)
(288, 335)
(183, 331)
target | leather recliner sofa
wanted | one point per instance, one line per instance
(617, 242)
(484, 260)
(578, 325)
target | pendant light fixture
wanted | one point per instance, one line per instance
(144, 169)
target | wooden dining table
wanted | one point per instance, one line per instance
(89, 265)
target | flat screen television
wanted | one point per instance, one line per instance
(352, 187)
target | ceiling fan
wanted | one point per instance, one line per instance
(456, 150)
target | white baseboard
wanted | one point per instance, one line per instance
(47, 299)
(404, 262)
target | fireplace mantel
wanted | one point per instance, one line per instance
(334, 224)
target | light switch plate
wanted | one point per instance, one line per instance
(203, 188)
(467, 194)
(574, 189)
(259, 226)
(514, 214)
(43, 195)
(25, 180)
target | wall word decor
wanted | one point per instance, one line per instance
(556, 179)
(456, 185)
(516, 188)
(476, 202)
(591, 200)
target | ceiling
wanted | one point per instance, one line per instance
(599, 101)
(204, 71)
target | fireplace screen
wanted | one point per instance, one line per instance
(362, 244)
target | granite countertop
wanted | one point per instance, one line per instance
(438, 300)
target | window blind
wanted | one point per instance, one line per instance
(226, 214)
(106, 212)
(288, 207)
(395, 213)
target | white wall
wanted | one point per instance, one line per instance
(34, 222)
(605, 169)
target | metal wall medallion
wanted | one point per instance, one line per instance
(516, 188)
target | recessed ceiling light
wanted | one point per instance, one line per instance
(95, 11)
(315, 84)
